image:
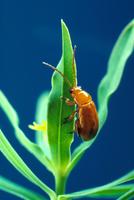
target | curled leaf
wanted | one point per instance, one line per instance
(109, 84)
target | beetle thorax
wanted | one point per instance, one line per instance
(80, 96)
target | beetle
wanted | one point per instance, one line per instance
(86, 124)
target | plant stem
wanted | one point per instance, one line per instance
(60, 183)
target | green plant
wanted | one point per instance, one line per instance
(52, 146)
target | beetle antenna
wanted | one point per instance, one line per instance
(73, 66)
(55, 69)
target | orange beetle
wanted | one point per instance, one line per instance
(86, 124)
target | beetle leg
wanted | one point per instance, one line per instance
(70, 117)
(68, 101)
(77, 127)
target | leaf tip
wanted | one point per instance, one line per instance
(63, 25)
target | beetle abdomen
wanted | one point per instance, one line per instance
(87, 124)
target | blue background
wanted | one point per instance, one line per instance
(30, 32)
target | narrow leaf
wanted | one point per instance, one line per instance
(107, 193)
(101, 189)
(30, 146)
(109, 84)
(128, 195)
(59, 136)
(17, 190)
(116, 65)
(113, 192)
(40, 116)
(18, 163)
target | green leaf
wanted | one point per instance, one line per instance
(113, 192)
(30, 146)
(101, 190)
(17, 190)
(18, 163)
(59, 136)
(128, 195)
(109, 84)
(107, 193)
(40, 116)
